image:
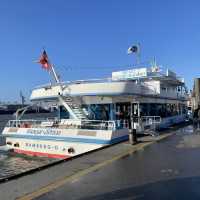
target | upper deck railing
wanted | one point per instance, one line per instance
(77, 82)
(110, 79)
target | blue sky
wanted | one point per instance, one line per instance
(89, 38)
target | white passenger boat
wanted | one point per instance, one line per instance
(96, 113)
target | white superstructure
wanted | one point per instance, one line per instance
(95, 113)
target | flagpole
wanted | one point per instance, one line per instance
(56, 77)
(54, 74)
(138, 54)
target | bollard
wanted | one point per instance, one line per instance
(132, 136)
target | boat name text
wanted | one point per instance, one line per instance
(43, 132)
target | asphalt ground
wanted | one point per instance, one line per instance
(169, 169)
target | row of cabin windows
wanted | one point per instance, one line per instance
(162, 110)
(123, 110)
(175, 89)
(150, 109)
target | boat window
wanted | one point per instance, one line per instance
(164, 89)
(144, 110)
(98, 111)
(162, 110)
(63, 113)
(184, 109)
(123, 110)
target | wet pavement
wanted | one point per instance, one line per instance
(169, 169)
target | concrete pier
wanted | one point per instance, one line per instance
(167, 169)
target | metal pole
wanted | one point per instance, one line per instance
(138, 54)
(54, 74)
(132, 131)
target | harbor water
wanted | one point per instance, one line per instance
(11, 163)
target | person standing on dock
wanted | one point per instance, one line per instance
(196, 118)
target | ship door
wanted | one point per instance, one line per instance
(123, 114)
(135, 107)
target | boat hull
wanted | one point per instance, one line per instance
(62, 146)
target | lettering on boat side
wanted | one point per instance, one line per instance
(42, 146)
(43, 132)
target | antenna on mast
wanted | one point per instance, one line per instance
(153, 62)
(154, 66)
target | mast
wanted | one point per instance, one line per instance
(55, 74)
(138, 54)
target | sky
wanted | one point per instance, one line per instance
(88, 39)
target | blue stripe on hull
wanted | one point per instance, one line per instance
(68, 139)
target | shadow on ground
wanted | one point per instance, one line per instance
(175, 189)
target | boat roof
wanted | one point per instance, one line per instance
(168, 77)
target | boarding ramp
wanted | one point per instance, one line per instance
(147, 124)
(150, 124)
(143, 124)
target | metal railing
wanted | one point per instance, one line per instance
(150, 120)
(21, 123)
(64, 124)
(98, 124)
(143, 121)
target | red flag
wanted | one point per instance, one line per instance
(44, 61)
